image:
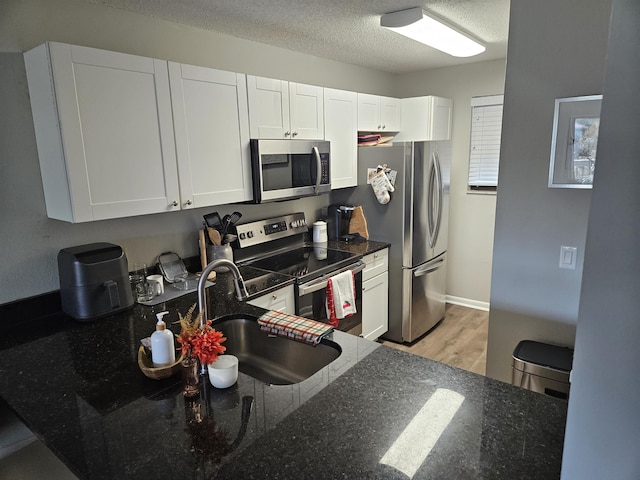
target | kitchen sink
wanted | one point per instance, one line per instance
(269, 358)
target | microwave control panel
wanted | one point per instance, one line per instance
(261, 231)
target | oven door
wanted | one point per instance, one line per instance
(312, 297)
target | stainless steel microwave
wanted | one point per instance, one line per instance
(287, 169)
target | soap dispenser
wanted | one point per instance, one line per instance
(163, 350)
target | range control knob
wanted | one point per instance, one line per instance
(249, 234)
(242, 236)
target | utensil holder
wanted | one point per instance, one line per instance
(220, 251)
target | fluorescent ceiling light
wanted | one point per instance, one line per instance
(417, 25)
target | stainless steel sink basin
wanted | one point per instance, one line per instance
(271, 359)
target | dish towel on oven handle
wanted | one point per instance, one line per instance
(294, 327)
(341, 297)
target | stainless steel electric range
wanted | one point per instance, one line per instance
(278, 245)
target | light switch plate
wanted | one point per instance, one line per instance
(568, 257)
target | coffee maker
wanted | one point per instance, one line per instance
(338, 217)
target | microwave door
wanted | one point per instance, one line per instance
(304, 169)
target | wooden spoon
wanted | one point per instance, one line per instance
(214, 236)
(203, 248)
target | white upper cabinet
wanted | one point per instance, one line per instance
(341, 129)
(211, 124)
(378, 114)
(425, 119)
(281, 109)
(103, 130)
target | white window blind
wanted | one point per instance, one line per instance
(486, 127)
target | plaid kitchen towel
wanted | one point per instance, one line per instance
(294, 327)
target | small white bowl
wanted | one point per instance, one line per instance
(223, 372)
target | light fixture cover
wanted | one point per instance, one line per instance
(425, 28)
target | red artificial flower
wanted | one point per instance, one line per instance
(202, 341)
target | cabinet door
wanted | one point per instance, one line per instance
(268, 107)
(211, 126)
(341, 129)
(375, 306)
(390, 114)
(282, 300)
(425, 119)
(368, 112)
(104, 133)
(376, 263)
(442, 114)
(306, 109)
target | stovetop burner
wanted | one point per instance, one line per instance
(305, 263)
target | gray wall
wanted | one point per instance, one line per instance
(31, 240)
(603, 426)
(556, 49)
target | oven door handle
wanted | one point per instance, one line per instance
(321, 283)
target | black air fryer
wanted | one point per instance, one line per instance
(94, 280)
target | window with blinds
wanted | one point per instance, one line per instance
(486, 127)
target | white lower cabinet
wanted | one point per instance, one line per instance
(375, 295)
(282, 300)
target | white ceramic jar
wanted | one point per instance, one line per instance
(320, 232)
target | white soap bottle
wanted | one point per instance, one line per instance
(163, 350)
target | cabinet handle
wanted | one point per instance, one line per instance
(294, 134)
(189, 202)
(384, 126)
(286, 134)
(274, 297)
(379, 127)
(174, 204)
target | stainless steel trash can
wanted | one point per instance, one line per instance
(542, 368)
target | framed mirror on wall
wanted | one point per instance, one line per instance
(576, 121)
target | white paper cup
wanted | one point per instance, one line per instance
(223, 372)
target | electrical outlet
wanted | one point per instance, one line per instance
(568, 257)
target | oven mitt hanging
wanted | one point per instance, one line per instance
(382, 186)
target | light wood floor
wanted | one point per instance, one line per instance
(460, 340)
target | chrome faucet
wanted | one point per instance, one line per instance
(241, 290)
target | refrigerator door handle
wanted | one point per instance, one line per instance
(429, 267)
(434, 207)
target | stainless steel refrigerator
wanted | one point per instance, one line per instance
(415, 223)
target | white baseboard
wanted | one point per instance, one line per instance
(466, 302)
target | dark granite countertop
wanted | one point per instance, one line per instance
(78, 387)
(360, 248)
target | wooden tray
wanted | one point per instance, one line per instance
(158, 373)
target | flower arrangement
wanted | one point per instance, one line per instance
(201, 341)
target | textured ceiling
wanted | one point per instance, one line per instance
(344, 30)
